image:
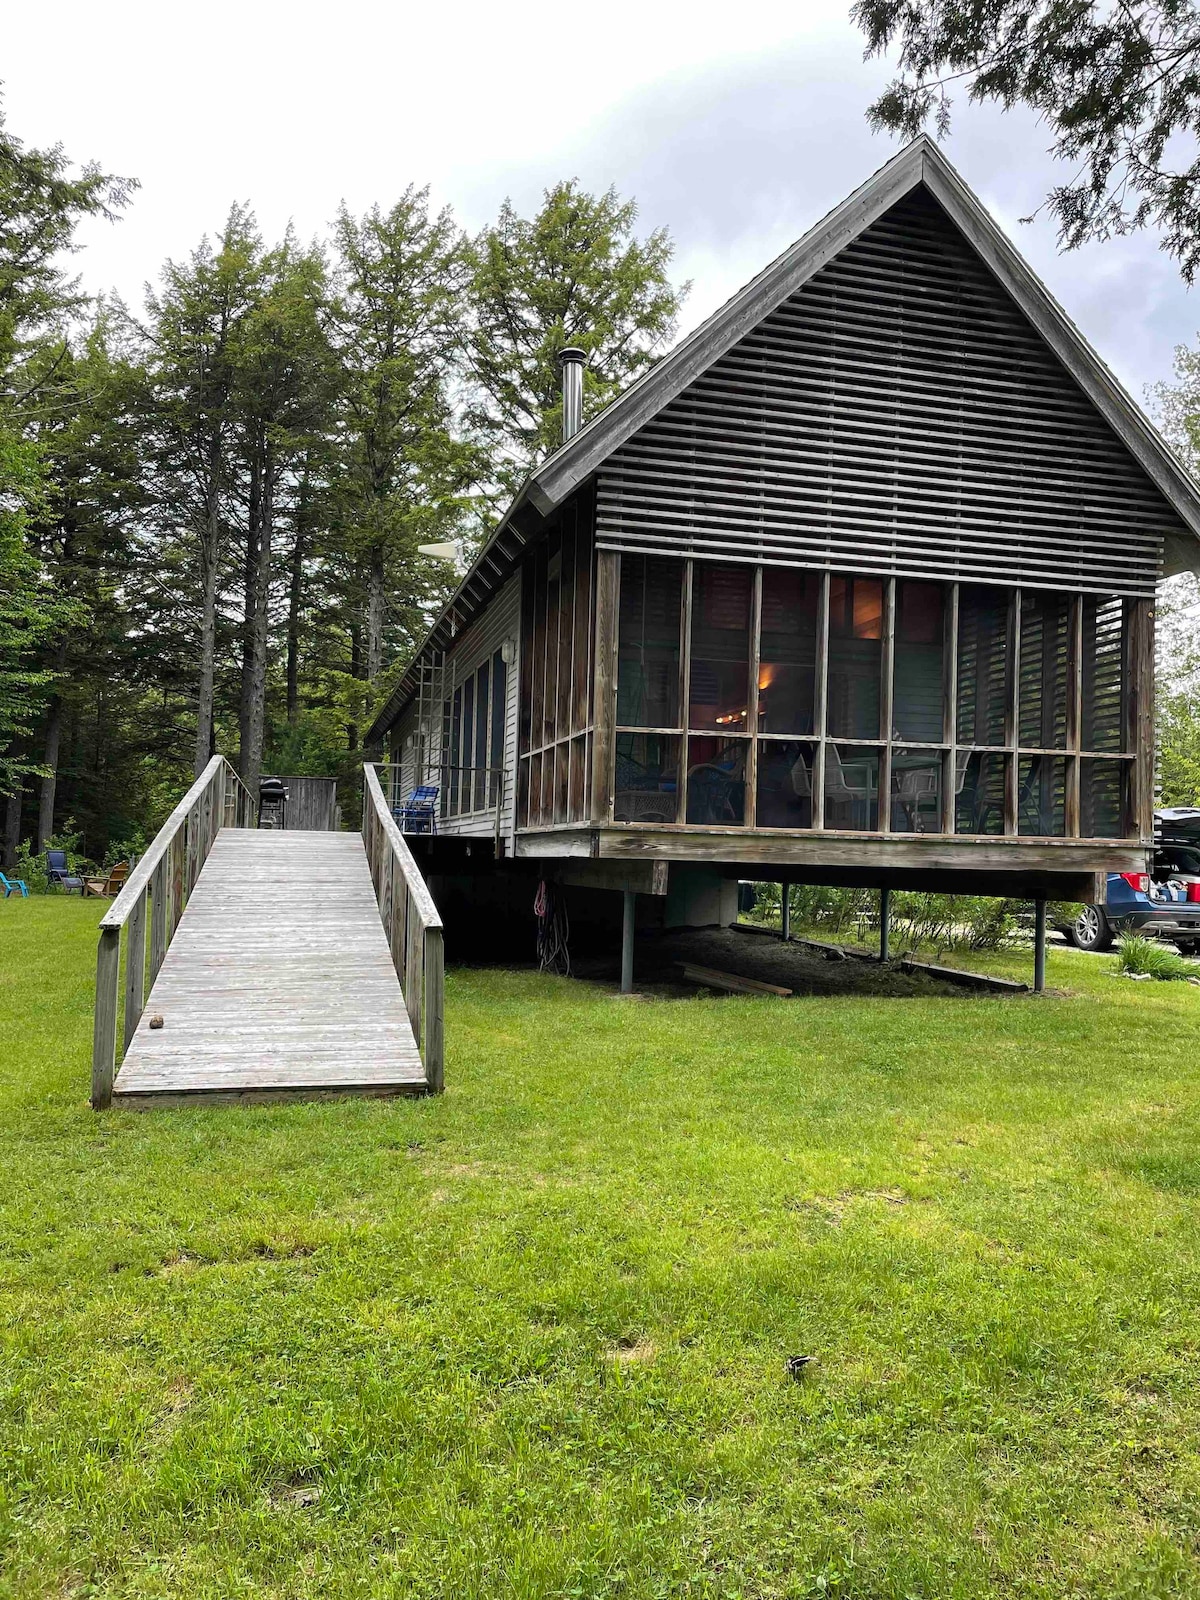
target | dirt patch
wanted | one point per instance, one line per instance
(793, 966)
(628, 1352)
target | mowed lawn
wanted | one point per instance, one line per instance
(529, 1339)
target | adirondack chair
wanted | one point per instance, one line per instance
(108, 886)
(418, 814)
(14, 886)
(58, 872)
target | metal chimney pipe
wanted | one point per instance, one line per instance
(570, 363)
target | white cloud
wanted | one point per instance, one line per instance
(737, 132)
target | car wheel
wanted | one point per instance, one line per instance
(1090, 930)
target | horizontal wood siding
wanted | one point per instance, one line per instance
(898, 415)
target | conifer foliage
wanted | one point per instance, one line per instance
(212, 503)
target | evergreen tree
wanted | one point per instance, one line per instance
(405, 477)
(574, 274)
(1117, 85)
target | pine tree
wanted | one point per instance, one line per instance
(574, 274)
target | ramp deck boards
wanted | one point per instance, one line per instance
(278, 983)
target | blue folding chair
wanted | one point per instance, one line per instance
(14, 886)
(59, 873)
(418, 814)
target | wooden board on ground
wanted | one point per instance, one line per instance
(278, 983)
(710, 978)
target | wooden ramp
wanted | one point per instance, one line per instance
(278, 983)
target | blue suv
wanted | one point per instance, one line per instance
(1164, 904)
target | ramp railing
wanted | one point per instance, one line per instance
(153, 896)
(412, 924)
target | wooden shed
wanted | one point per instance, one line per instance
(855, 586)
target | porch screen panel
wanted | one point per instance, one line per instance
(719, 679)
(855, 657)
(983, 667)
(788, 652)
(1042, 686)
(920, 667)
(648, 647)
(1105, 674)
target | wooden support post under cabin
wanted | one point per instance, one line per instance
(885, 924)
(785, 911)
(1039, 946)
(627, 927)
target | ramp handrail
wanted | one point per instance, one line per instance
(412, 924)
(166, 876)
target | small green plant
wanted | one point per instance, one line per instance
(1148, 958)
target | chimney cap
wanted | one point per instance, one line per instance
(572, 354)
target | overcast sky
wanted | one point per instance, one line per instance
(735, 128)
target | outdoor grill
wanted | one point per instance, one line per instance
(272, 803)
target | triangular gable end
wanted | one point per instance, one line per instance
(901, 414)
(1133, 492)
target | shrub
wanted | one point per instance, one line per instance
(1148, 958)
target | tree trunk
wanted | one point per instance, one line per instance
(210, 541)
(355, 669)
(45, 822)
(260, 640)
(375, 581)
(295, 595)
(250, 591)
(12, 824)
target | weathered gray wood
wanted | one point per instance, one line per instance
(311, 805)
(279, 981)
(158, 918)
(435, 1010)
(604, 685)
(710, 978)
(135, 967)
(104, 1025)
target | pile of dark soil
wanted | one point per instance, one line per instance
(753, 955)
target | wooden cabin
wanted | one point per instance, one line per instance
(856, 586)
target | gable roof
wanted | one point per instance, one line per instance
(919, 163)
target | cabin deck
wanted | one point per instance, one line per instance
(278, 983)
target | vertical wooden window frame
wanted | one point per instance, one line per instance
(950, 708)
(604, 684)
(685, 675)
(1141, 698)
(1074, 713)
(887, 658)
(1012, 713)
(750, 811)
(820, 703)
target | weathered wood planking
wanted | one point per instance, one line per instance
(278, 983)
(311, 805)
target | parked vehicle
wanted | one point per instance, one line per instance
(1164, 903)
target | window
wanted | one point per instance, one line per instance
(983, 665)
(785, 780)
(919, 673)
(478, 714)
(1104, 698)
(788, 651)
(1042, 685)
(1009, 710)
(851, 787)
(647, 778)
(648, 648)
(719, 677)
(855, 657)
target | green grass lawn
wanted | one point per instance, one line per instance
(528, 1339)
